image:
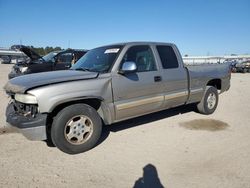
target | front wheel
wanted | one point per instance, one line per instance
(76, 128)
(209, 101)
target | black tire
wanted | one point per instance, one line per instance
(244, 70)
(61, 123)
(204, 106)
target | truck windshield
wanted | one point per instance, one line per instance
(99, 59)
(50, 56)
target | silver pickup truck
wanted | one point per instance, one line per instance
(107, 85)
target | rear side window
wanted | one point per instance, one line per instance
(168, 57)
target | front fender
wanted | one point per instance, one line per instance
(105, 110)
(71, 100)
(51, 96)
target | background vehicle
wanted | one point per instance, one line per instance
(110, 84)
(59, 60)
(8, 56)
(232, 64)
(243, 67)
(5, 60)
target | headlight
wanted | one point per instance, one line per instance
(26, 98)
(23, 69)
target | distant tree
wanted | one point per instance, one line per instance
(43, 51)
(57, 48)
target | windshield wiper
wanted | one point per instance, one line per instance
(82, 69)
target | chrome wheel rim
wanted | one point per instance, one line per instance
(78, 129)
(211, 100)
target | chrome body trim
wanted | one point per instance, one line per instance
(139, 102)
(175, 95)
(198, 90)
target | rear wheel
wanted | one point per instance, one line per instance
(76, 128)
(244, 70)
(209, 101)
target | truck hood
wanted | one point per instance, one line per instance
(23, 83)
(30, 53)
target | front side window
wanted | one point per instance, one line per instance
(142, 56)
(64, 58)
(99, 59)
(168, 57)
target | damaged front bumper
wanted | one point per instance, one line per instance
(13, 75)
(32, 127)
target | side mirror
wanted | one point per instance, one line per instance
(128, 67)
(54, 60)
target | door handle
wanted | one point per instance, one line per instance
(157, 78)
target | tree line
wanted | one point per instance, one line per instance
(43, 51)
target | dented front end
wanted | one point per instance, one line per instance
(27, 119)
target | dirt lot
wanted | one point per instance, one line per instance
(175, 148)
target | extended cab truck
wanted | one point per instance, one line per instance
(109, 84)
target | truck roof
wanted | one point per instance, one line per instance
(140, 43)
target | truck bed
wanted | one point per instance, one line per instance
(200, 75)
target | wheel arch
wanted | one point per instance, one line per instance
(215, 83)
(96, 102)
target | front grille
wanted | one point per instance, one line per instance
(27, 110)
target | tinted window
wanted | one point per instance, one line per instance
(142, 56)
(65, 58)
(168, 57)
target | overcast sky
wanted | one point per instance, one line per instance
(198, 27)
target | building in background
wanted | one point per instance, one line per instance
(10, 56)
(192, 60)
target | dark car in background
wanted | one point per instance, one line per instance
(232, 64)
(58, 60)
(243, 67)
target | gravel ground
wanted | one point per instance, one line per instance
(175, 148)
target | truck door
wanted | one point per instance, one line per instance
(140, 92)
(40, 67)
(174, 76)
(63, 61)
